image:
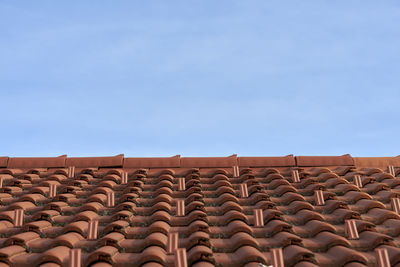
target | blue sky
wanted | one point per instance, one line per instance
(199, 78)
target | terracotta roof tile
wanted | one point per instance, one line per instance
(172, 162)
(200, 212)
(312, 161)
(286, 161)
(56, 162)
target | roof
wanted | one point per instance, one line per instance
(200, 211)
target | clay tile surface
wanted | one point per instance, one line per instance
(209, 162)
(3, 162)
(56, 162)
(316, 161)
(286, 161)
(214, 211)
(172, 162)
(87, 162)
(373, 162)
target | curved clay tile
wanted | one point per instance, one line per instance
(101, 190)
(319, 170)
(315, 227)
(283, 239)
(273, 176)
(165, 206)
(11, 189)
(164, 183)
(193, 190)
(170, 172)
(105, 253)
(255, 189)
(226, 197)
(122, 215)
(47, 215)
(197, 239)
(373, 188)
(117, 226)
(276, 226)
(344, 188)
(364, 205)
(113, 178)
(92, 206)
(163, 190)
(240, 239)
(197, 226)
(129, 206)
(155, 239)
(59, 255)
(85, 216)
(332, 205)
(224, 189)
(237, 226)
(153, 254)
(283, 189)
(160, 215)
(219, 177)
(341, 255)
(391, 227)
(37, 226)
(289, 197)
(333, 182)
(159, 226)
(111, 239)
(165, 177)
(264, 205)
(215, 172)
(296, 206)
(25, 205)
(230, 205)
(295, 254)
(128, 197)
(354, 196)
(340, 215)
(64, 197)
(247, 254)
(163, 198)
(231, 216)
(194, 197)
(8, 252)
(303, 216)
(117, 172)
(343, 170)
(326, 240)
(199, 253)
(195, 205)
(84, 177)
(21, 239)
(277, 182)
(107, 183)
(56, 205)
(372, 240)
(100, 198)
(325, 177)
(267, 171)
(378, 216)
(386, 196)
(68, 240)
(192, 182)
(195, 215)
